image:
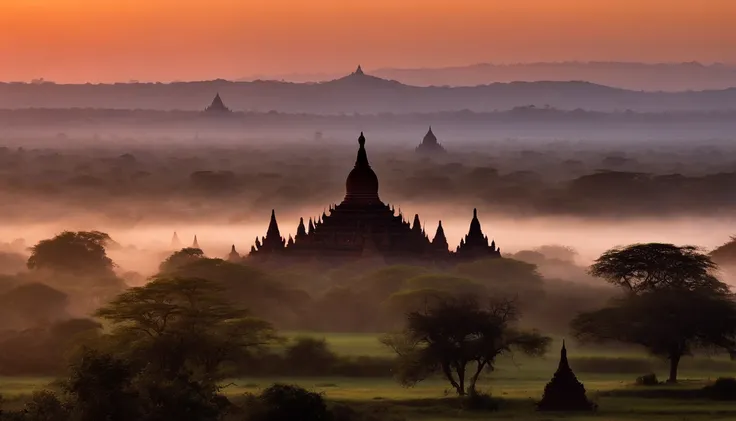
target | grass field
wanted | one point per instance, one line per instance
(518, 381)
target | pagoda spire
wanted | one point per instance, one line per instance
(234, 256)
(217, 106)
(359, 70)
(195, 243)
(416, 225)
(300, 230)
(564, 392)
(440, 241)
(273, 226)
(311, 226)
(429, 144)
(175, 242)
(361, 186)
(273, 240)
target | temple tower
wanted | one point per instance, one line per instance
(175, 242)
(439, 242)
(361, 186)
(430, 145)
(234, 256)
(217, 106)
(273, 241)
(475, 244)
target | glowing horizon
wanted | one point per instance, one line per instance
(164, 40)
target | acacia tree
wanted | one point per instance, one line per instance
(673, 303)
(668, 323)
(185, 324)
(647, 267)
(457, 337)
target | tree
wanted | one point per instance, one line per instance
(75, 253)
(669, 323)
(184, 324)
(250, 287)
(725, 255)
(646, 267)
(32, 305)
(180, 258)
(458, 335)
(100, 388)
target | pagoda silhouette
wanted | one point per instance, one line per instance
(217, 106)
(362, 225)
(564, 392)
(430, 145)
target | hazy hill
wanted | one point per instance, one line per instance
(357, 93)
(626, 75)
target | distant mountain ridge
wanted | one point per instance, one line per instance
(357, 93)
(626, 75)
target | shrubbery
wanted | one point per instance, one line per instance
(723, 389)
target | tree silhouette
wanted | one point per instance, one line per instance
(673, 303)
(75, 253)
(458, 335)
(669, 324)
(646, 267)
(184, 324)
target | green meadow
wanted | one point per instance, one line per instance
(517, 381)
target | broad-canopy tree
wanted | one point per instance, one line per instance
(646, 267)
(673, 303)
(180, 258)
(184, 324)
(250, 287)
(458, 338)
(76, 253)
(669, 323)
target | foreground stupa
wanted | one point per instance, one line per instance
(564, 392)
(362, 226)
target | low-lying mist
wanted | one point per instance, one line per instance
(588, 195)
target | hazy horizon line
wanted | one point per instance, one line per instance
(279, 77)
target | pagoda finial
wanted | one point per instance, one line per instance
(416, 225)
(195, 243)
(301, 231)
(361, 139)
(175, 243)
(475, 212)
(234, 256)
(359, 70)
(440, 241)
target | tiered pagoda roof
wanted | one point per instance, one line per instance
(363, 225)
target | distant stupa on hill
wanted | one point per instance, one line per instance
(217, 106)
(430, 145)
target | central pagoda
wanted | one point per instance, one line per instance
(362, 225)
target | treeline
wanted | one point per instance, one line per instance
(169, 345)
(235, 183)
(177, 119)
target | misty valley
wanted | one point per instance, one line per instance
(212, 272)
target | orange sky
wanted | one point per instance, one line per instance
(120, 40)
